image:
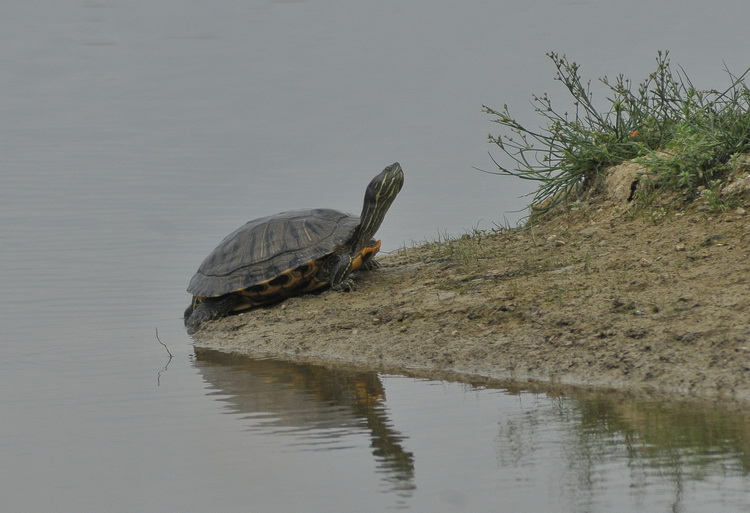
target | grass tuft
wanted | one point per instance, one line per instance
(686, 137)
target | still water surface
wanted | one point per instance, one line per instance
(136, 134)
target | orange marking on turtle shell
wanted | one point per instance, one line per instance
(288, 279)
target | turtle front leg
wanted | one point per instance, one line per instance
(337, 270)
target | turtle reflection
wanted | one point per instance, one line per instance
(323, 404)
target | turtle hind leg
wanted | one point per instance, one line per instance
(210, 308)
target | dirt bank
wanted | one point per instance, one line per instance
(599, 294)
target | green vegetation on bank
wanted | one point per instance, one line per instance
(688, 139)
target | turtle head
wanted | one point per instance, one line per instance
(380, 193)
(386, 185)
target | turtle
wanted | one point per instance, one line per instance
(272, 258)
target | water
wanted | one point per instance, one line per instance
(442, 446)
(136, 134)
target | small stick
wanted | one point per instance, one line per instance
(158, 376)
(162, 343)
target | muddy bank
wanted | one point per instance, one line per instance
(599, 294)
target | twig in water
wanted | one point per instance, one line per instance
(158, 376)
(165, 345)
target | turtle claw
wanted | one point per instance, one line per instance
(346, 285)
(370, 265)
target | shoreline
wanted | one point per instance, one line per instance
(596, 296)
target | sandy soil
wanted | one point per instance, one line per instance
(600, 294)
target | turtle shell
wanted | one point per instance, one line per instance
(272, 246)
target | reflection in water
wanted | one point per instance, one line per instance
(677, 438)
(322, 404)
(576, 451)
(677, 444)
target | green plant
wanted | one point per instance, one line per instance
(713, 199)
(684, 135)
